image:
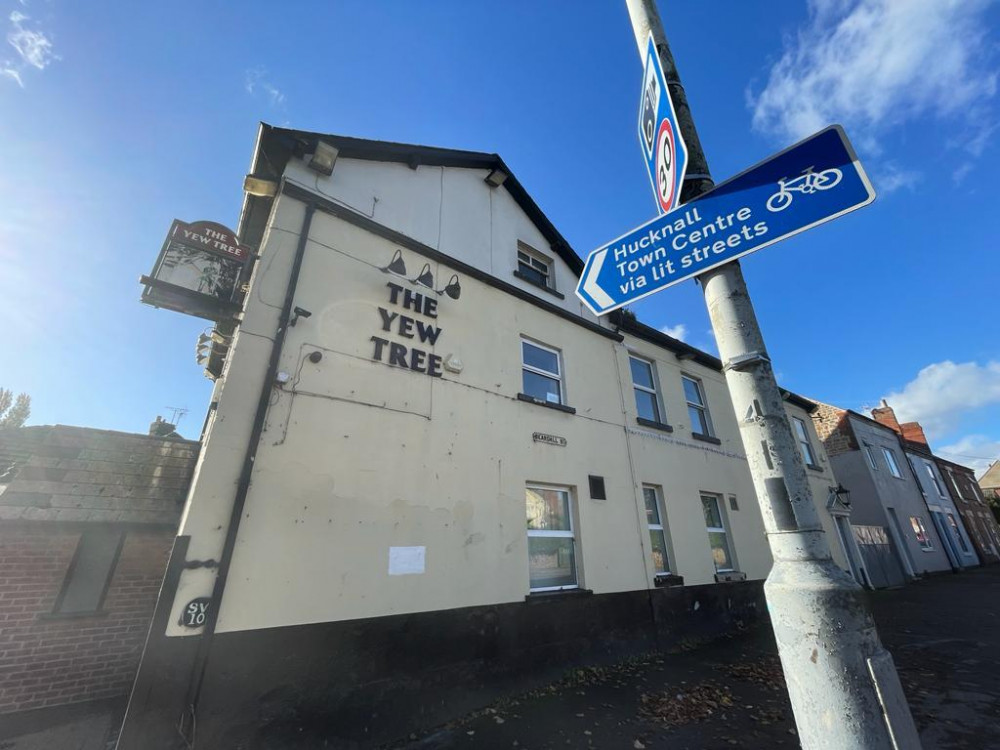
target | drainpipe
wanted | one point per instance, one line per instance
(187, 720)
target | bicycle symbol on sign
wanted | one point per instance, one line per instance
(807, 184)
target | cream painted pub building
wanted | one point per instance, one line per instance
(430, 474)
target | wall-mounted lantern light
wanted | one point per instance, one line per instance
(396, 266)
(454, 289)
(425, 277)
(841, 494)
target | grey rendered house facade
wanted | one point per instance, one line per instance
(895, 531)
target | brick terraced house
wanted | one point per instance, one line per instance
(87, 519)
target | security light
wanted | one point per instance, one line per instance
(496, 178)
(323, 158)
(297, 313)
(260, 188)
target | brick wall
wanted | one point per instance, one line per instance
(48, 660)
(55, 484)
(834, 429)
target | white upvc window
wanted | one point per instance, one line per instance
(718, 538)
(934, 480)
(534, 266)
(921, 533)
(694, 392)
(954, 483)
(890, 459)
(647, 400)
(551, 538)
(870, 452)
(653, 498)
(541, 372)
(804, 444)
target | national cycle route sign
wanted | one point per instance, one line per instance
(812, 182)
(660, 138)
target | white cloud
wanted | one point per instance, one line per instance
(943, 391)
(257, 80)
(975, 451)
(34, 47)
(678, 331)
(873, 64)
(961, 172)
(891, 178)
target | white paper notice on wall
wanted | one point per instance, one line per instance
(406, 561)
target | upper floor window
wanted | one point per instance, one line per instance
(701, 421)
(890, 459)
(647, 402)
(934, 479)
(542, 372)
(803, 438)
(871, 457)
(534, 267)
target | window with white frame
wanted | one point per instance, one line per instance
(804, 444)
(954, 483)
(890, 459)
(934, 480)
(551, 540)
(718, 538)
(694, 392)
(534, 267)
(958, 533)
(921, 533)
(871, 457)
(647, 401)
(542, 372)
(653, 498)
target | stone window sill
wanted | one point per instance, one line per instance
(654, 425)
(548, 596)
(706, 438)
(529, 280)
(538, 402)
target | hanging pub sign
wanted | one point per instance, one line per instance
(198, 271)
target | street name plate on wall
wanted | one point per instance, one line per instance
(541, 437)
(197, 271)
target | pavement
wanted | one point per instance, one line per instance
(943, 633)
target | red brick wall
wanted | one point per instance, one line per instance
(834, 429)
(46, 660)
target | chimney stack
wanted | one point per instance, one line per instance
(161, 428)
(913, 432)
(885, 414)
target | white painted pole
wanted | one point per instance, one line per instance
(842, 684)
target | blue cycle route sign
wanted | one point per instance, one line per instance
(812, 182)
(662, 145)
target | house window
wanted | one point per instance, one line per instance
(533, 267)
(701, 422)
(647, 403)
(934, 479)
(718, 539)
(871, 457)
(657, 533)
(90, 572)
(961, 539)
(804, 444)
(542, 372)
(551, 544)
(890, 459)
(922, 539)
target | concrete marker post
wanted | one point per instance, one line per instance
(842, 683)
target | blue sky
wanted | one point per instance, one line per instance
(116, 117)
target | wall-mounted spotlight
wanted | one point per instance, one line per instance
(297, 313)
(323, 158)
(496, 178)
(425, 277)
(396, 266)
(454, 289)
(260, 187)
